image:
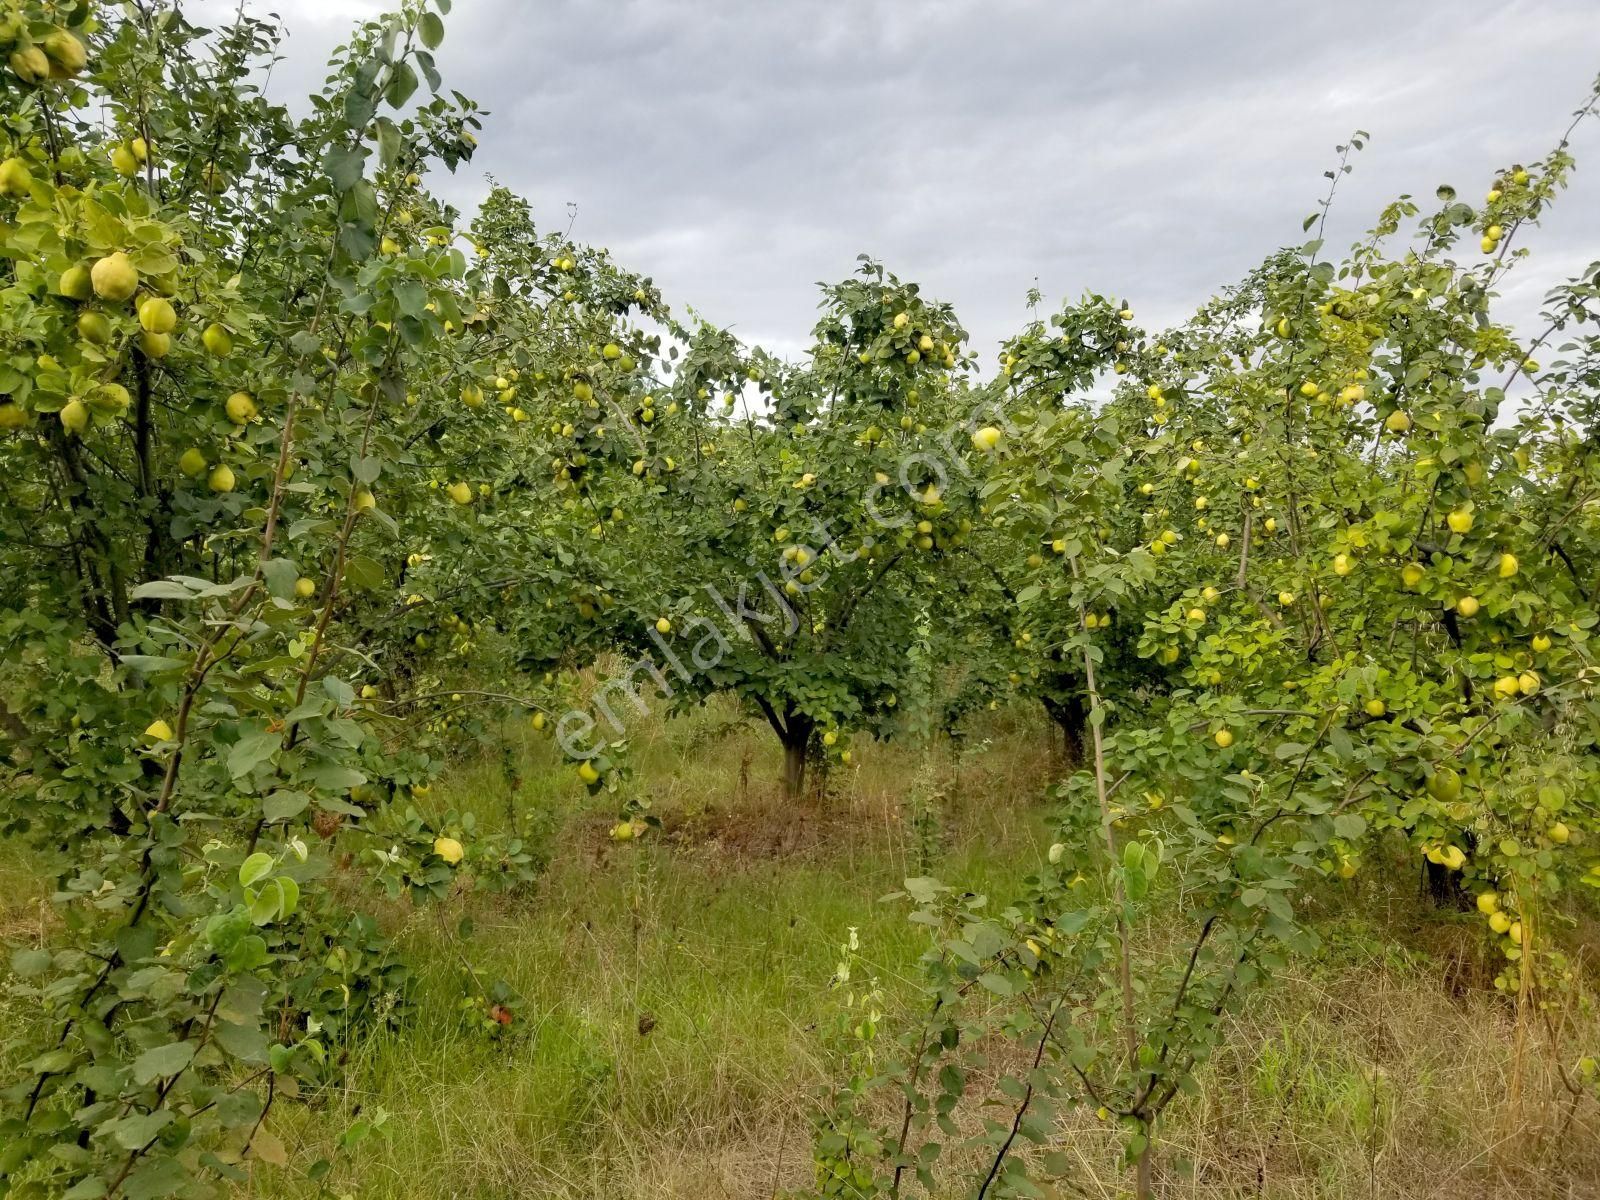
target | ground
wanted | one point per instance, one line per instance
(672, 1019)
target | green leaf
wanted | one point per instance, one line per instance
(996, 983)
(425, 61)
(338, 690)
(401, 85)
(133, 1132)
(224, 929)
(51, 1062)
(411, 298)
(389, 144)
(280, 574)
(281, 805)
(343, 167)
(162, 1062)
(236, 1110)
(330, 777)
(157, 1177)
(255, 868)
(268, 903)
(431, 30)
(246, 954)
(152, 664)
(1349, 826)
(250, 751)
(363, 574)
(291, 895)
(360, 102)
(27, 963)
(161, 589)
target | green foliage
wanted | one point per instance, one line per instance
(1321, 579)
(230, 354)
(304, 487)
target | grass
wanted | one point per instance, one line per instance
(721, 937)
(24, 911)
(674, 1018)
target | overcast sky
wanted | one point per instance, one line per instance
(741, 150)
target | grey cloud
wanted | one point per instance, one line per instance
(739, 152)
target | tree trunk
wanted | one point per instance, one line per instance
(1142, 1174)
(794, 769)
(1444, 887)
(796, 737)
(1070, 718)
(1071, 745)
